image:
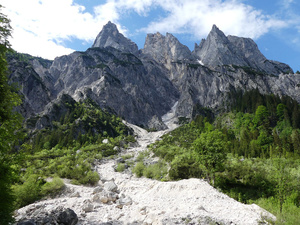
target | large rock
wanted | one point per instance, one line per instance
(58, 216)
(67, 217)
(110, 186)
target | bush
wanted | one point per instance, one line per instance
(184, 166)
(90, 178)
(52, 188)
(120, 167)
(29, 191)
(139, 169)
(156, 171)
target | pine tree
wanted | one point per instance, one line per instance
(10, 121)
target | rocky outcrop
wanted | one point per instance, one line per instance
(218, 50)
(111, 37)
(166, 49)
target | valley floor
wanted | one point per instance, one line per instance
(191, 201)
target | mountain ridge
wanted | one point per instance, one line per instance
(142, 85)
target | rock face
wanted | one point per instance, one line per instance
(141, 86)
(218, 49)
(110, 37)
(166, 49)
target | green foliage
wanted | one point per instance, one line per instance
(53, 187)
(156, 171)
(10, 124)
(120, 167)
(184, 166)
(252, 153)
(29, 191)
(210, 150)
(83, 123)
(139, 169)
(34, 188)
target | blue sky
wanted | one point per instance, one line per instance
(51, 28)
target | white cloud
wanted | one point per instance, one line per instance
(197, 18)
(42, 26)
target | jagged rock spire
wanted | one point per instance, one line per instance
(110, 36)
(218, 49)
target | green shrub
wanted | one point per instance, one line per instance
(90, 178)
(139, 169)
(184, 166)
(155, 171)
(290, 212)
(142, 155)
(127, 156)
(28, 192)
(120, 167)
(52, 188)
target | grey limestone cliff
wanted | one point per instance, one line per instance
(166, 49)
(218, 49)
(142, 86)
(111, 37)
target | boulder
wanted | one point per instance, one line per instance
(67, 217)
(110, 186)
(59, 216)
(97, 189)
(88, 207)
(123, 200)
(75, 195)
(26, 222)
(105, 141)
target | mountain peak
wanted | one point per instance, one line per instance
(218, 49)
(217, 35)
(110, 36)
(166, 49)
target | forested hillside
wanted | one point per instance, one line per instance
(67, 148)
(251, 153)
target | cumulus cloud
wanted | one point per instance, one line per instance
(41, 27)
(197, 18)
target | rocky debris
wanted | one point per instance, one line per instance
(75, 195)
(126, 199)
(97, 189)
(123, 200)
(88, 206)
(59, 215)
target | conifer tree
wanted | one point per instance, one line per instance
(10, 121)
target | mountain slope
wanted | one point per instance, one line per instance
(141, 86)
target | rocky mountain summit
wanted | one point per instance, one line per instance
(110, 37)
(142, 85)
(218, 50)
